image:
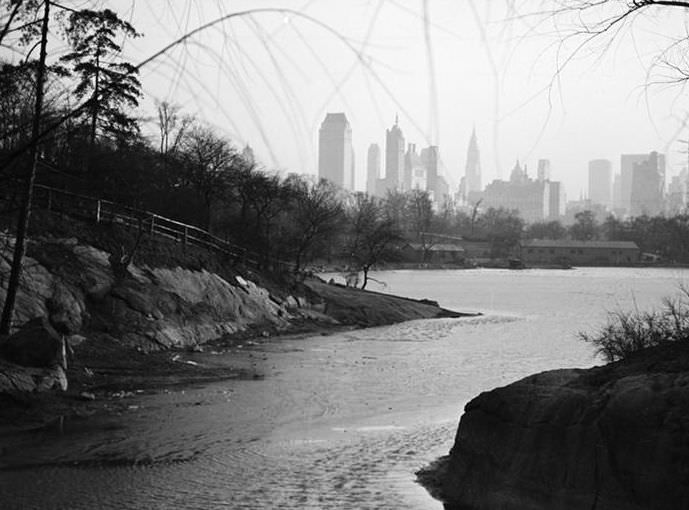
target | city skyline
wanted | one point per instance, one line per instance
(262, 83)
(640, 187)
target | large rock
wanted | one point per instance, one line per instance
(19, 379)
(36, 344)
(608, 438)
(67, 309)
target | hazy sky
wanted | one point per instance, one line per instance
(269, 78)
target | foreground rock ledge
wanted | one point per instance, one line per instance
(612, 437)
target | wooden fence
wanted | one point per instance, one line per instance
(104, 211)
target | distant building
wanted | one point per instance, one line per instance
(440, 253)
(441, 192)
(415, 172)
(543, 171)
(677, 194)
(394, 158)
(557, 201)
(472, 170)
(627, 162)
(413, 168)
(419, 178)
(600, 182)
(531, 198)
(372, 168)
(648, 186)
(617, 206)
(584, 253)
(248, 155)
(335, 152)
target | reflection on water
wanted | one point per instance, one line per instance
(338, 422)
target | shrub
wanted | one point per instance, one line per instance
(628, 332)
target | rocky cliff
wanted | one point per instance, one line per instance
(162, 302)
(153, 308)
(608, 438)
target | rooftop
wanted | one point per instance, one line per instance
(550, 243)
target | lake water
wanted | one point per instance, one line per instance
(339, 421)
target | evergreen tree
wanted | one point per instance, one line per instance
(110, 84)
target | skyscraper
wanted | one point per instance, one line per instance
(335, 153)
(372, 168)
(411, 161)
(648, 186)
(543, 171)
(430, 160)
(600, 182)
(394, 157)
(627, 162)
(472, 170)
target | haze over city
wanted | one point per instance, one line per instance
(268, 80)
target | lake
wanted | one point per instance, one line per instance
(339, 421)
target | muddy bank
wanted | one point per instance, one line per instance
(612, 437)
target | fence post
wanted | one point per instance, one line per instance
(50, 199)
(153, 220)
(98, 205)
(184, 239)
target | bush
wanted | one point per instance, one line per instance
(628, 332)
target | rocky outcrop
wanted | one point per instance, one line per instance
(148, 307)
(152, 308)
(36, 344)
(19, 379)
(607, 438)
(33, 359)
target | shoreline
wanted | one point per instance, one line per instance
(104, 376)
(341, 270)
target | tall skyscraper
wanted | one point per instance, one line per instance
(372, 168)
(472, 170)
(430, 159)
(394, 157)
(411, 160)
(600, 182)
(648, 186)
(335, 152)
(627, 162)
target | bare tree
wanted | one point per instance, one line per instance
(172, 126)
(315, 220)
(25, 211)
(581, 23)
(419, 217)
(370, 234)
(208, 160)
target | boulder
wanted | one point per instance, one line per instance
(19, 379)
(36, 344)
(66, 308)
(609, 438)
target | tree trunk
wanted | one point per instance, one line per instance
(365, 271)
(25, 211)
(94, 110)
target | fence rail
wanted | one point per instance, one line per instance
(105, 211)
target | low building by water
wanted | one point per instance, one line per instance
(584, 253)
